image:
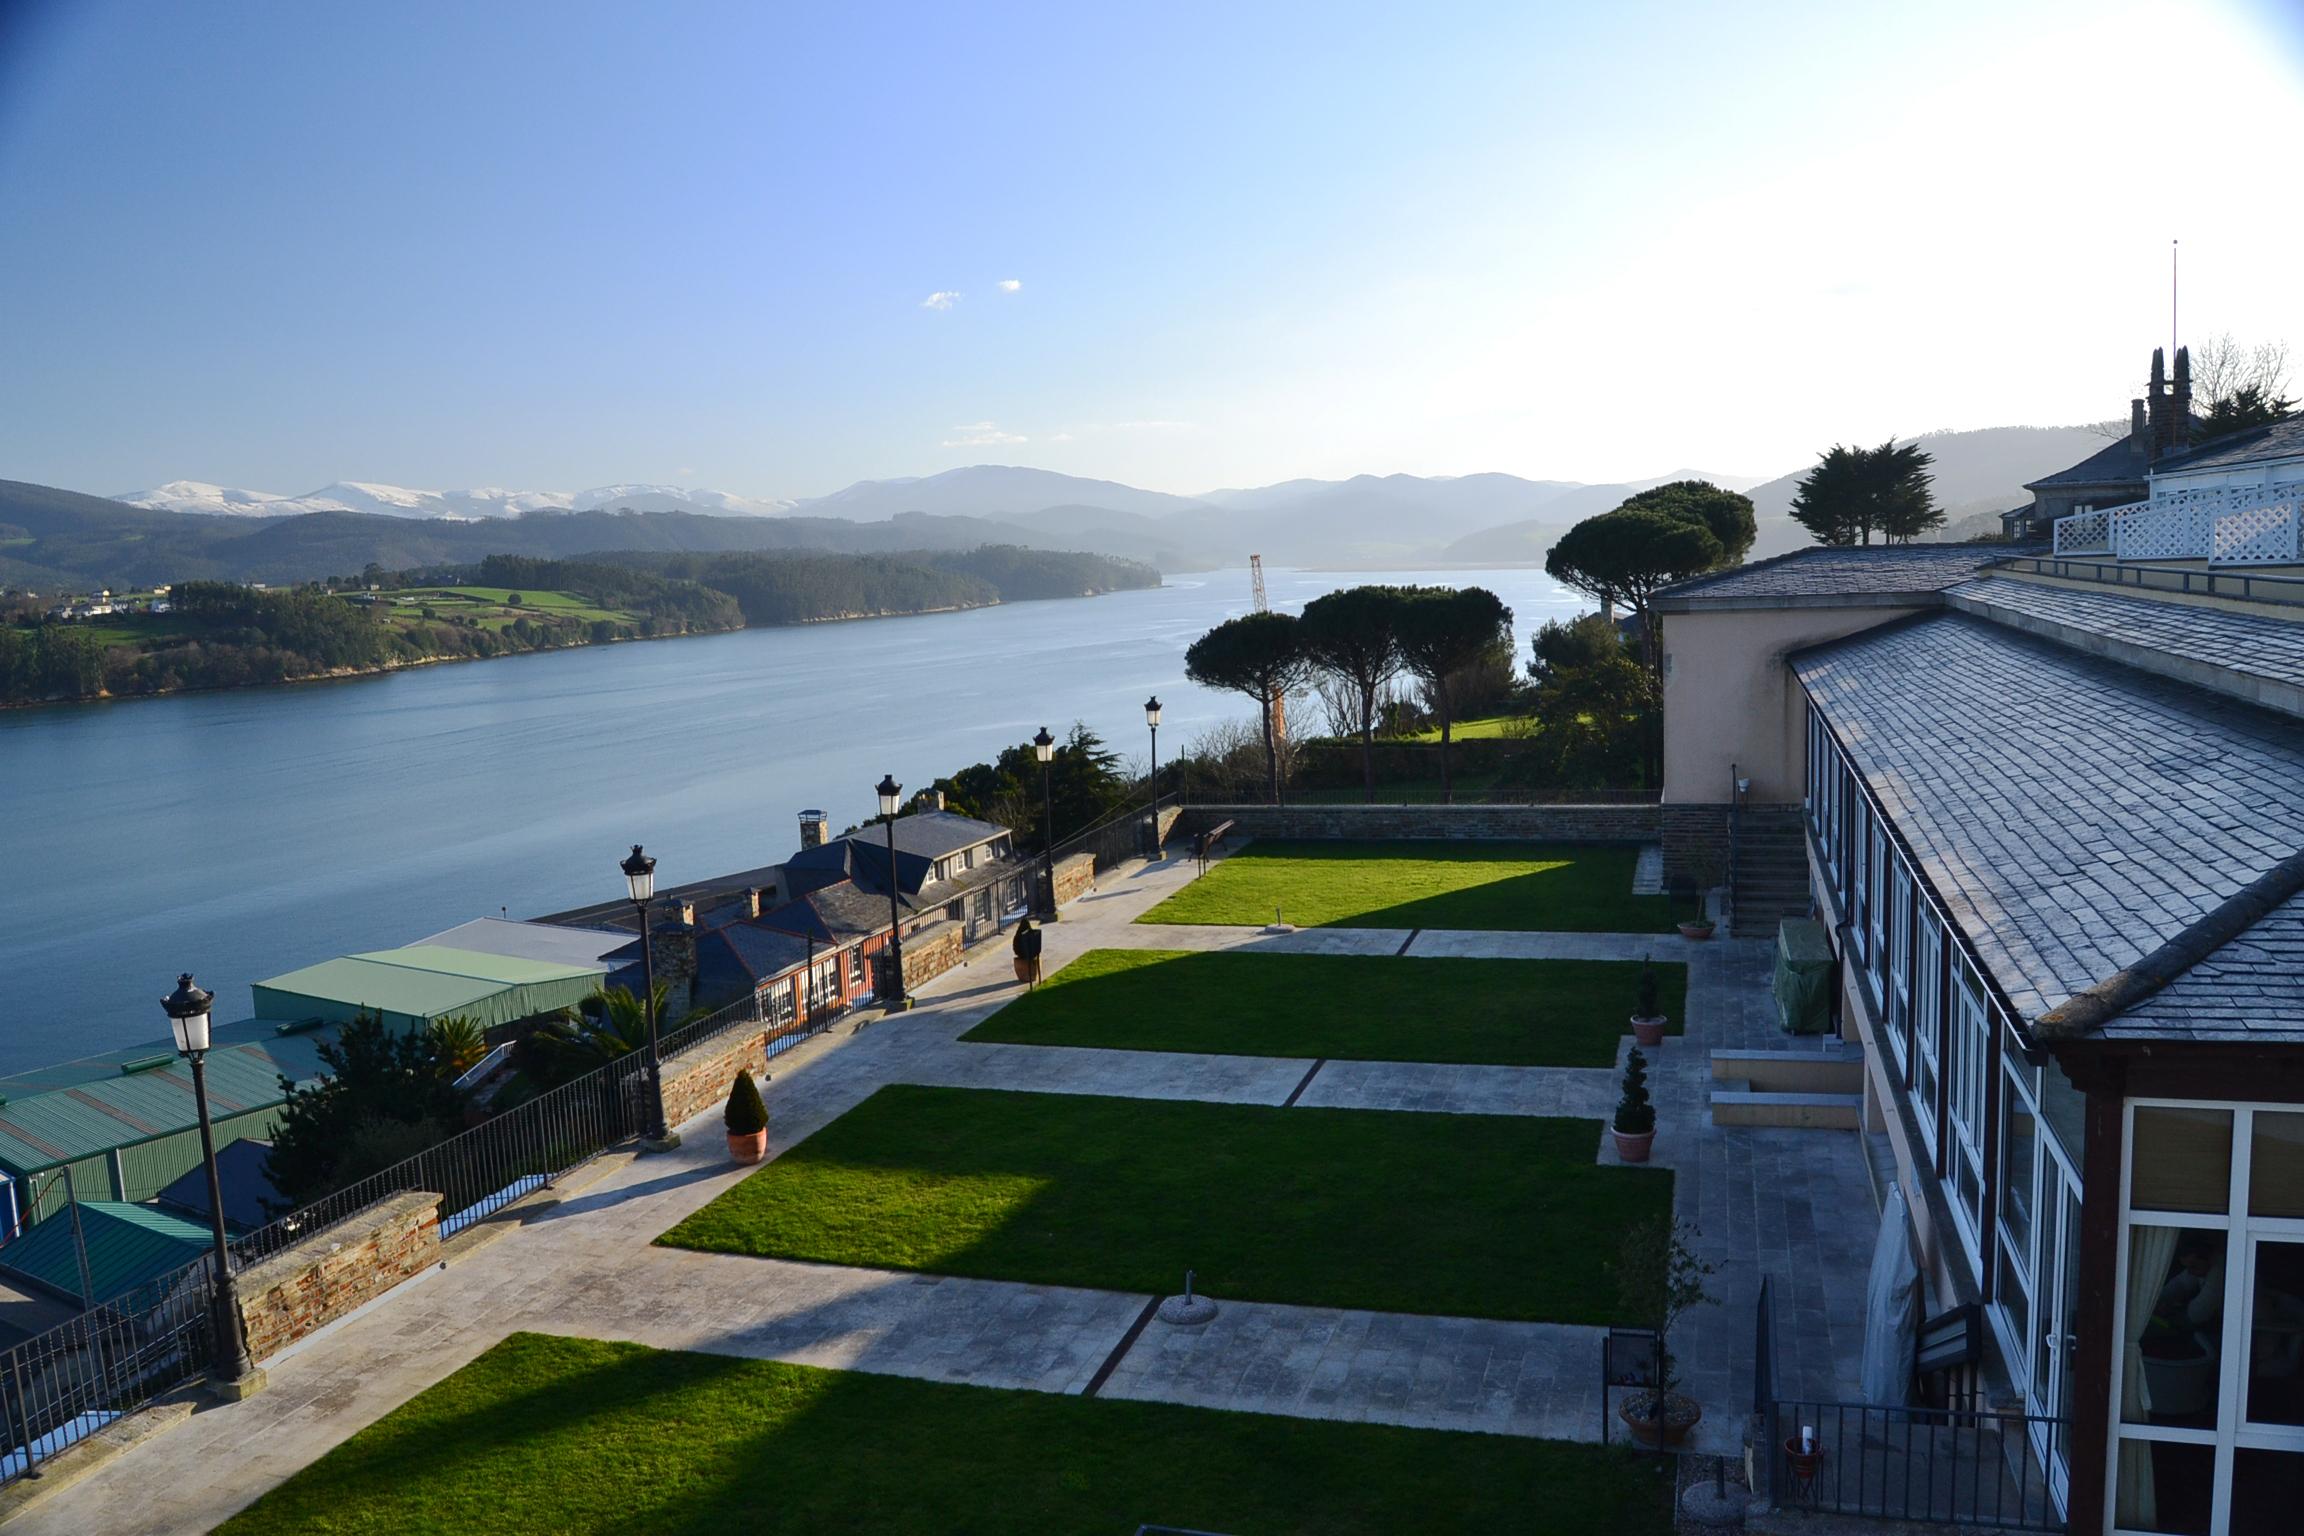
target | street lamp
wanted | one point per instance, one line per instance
(1044, 748)
(640, 879)
(187, 1009)
(1152, 719)
(893, 994)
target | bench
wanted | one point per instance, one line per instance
(1204, 845)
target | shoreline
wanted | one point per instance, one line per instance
(354, 674)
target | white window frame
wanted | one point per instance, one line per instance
(1968, 1023)
(2242, 1233)
(1898, 1013)
(1928, 1026)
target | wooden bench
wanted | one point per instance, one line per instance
(1204, 845)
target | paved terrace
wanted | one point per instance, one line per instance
(1789, 1203)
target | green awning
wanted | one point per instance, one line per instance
(411, 987)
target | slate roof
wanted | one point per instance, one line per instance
(243, 1171)
(757, 951)
(1878, 570)
(2072, 814)
(2282, 439)
(842, 911)
(933, 834)
(2118, 463)
(551, 943)
(2247, 654)
(2239, 992)
(127, 1246)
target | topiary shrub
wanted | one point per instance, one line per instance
(1635, 1116)
(747, 1112)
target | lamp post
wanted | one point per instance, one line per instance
(640, 880)
(893, 994)
(187, 1009)
(1152, 719)
(1044, 748)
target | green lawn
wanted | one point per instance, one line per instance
(1500, 1216)
(1559, 887)
(1523, 1013)
(1487, 728)
(542, 1436)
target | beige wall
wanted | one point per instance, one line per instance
(1729, 700)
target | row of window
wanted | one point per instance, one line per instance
(1975, 1102)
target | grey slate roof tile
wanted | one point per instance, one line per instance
(2075, 814)
(2247, 643)
(1859, 570)
(2278, 440)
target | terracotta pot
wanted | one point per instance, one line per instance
(1664, 1430)
(1696, 930)
(1633, 1149)
(1648, 1033)
(748, 1149)
(1802, 1463)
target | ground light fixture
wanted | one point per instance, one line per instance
(892, 992)
(640, 880)
(188, 1009)
(1044, 748)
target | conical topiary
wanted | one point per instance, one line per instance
(1635, 1116)
(747, 1112)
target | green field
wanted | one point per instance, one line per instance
(1534, 887)
(1490, 728)
(488, 606)
(546, 1436)
(1460, 1215)
(1539, 1013)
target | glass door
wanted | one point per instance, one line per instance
(2054, 1336)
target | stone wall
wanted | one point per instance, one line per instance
(1695, 843)
(932, 951)
(699, 1078)
(1073, 875)
(1537, 823)
(309, 1285)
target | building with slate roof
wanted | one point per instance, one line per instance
(2052, 817)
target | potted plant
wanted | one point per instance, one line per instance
(747, 1120)
(1647, 1020)
(1635, 1124)
(1703, 872)
(1658, 1278)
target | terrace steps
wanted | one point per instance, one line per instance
(1802, 1090)
(1771, 879)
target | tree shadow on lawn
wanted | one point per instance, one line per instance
(549, 1434)
(1575, 888)
(1490, 1216)
(1450, 1011)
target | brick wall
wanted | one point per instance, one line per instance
(1695, 843)
(1073, 875)
(309, 1285)
(1539, 823)
(699, 1078)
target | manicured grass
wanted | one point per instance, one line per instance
(1474, 1215)
(1523, 1013)
(1487, 728)
(1566, 888)
(542, 1436)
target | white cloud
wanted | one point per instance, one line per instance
(1011, 284)
(942, 298)
(983, 434)
(1061, 437)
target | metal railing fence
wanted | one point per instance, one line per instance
(1941, 1466)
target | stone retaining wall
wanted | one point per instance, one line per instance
(1695, 841)
(932, 951)
(699, 1078)
(309, 1285)
(1535, 823)
(1073, 875)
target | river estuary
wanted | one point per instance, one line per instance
(242, 834)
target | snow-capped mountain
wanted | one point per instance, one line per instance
(462, 506)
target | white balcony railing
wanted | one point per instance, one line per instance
(2221, 524)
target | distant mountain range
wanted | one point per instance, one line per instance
(191, 529)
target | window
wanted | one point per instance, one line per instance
(1860, 901)
(1897, 954)
(1968, 1042)
(1927, 1026)
(2208, 1364)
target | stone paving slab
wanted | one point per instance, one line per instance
(1469, 944)
(1583, 1092)
(1538, 1379)
(1304, 941)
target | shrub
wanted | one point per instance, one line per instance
(747, 1112)
(1635, 1116)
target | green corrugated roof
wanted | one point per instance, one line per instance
(97, 1113)
(422, 981)
(127, 1245)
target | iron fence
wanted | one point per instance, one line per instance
(1942, 1466)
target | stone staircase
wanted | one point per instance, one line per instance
(1771, 870)
(1819, 1089)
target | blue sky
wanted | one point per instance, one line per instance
(552, 246)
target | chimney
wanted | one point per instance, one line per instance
(752, 901)
(811, 829)
(2180, 411)
(939, 794)
(2139, 430)
(687, 911)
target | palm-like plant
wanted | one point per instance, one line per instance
(458, 1044)
(612, 1022)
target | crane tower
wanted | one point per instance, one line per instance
(1264, 605)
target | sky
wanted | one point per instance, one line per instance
(774, 249)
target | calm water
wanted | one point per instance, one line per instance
(243, 834)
